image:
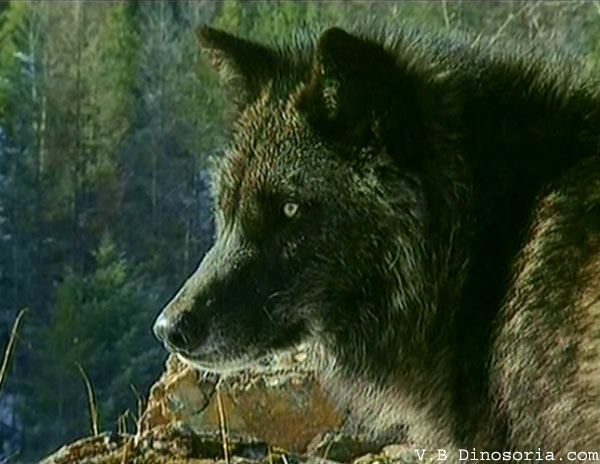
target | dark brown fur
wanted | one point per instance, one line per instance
(445, 249)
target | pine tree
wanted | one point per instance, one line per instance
(101, 322)
(24, 244)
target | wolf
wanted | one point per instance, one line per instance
(426, 209)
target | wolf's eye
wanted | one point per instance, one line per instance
(290, 209)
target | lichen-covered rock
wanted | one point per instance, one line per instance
(163, 445)
(177, 444)
(278, 401)
(272, 413)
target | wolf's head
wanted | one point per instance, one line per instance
(309, 241)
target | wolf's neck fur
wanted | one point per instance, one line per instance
(488, 180)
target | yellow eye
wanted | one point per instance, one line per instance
(290, 209)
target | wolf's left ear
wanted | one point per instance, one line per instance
(243, 67)
(348, 83)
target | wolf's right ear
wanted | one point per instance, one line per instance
(244, 67)
(349, 81)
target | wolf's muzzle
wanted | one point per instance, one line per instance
(174, 332)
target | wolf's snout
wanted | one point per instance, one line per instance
(177, 332)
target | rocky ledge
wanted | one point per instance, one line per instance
(274, 412)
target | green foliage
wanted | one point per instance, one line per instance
(233, 16)
(101, 322)
(17, 41)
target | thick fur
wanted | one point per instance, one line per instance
(445, 247)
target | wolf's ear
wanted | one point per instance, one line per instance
(345, 85)
(243, 67)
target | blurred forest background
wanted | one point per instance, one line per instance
(108, 116)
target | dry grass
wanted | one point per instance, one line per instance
(9, 348)
(122, 428)
(141, 413)
(223, 427)
(91, 400)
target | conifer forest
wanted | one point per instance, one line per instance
(109, 119)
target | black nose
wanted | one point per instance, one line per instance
(174, 332)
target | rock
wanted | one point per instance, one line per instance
(403, 454)
(278, 402)
(342, 446)
(273, 413)
(167, 444)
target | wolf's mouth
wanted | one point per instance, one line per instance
(221, 367)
